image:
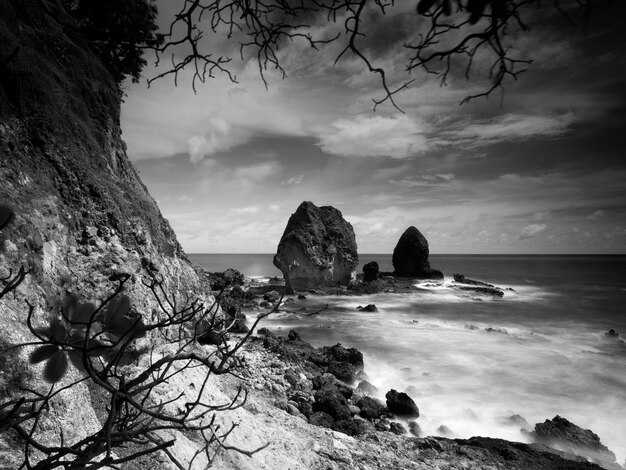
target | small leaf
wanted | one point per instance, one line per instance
(57, 330)
(46, 332)
(69, 307)
(476, 9)
(83, 313)
(56, 367)
(447, 7)
(42, 353)
(128, 328)
(424, 5)
(76, 357)
(6, 215)
(116, 309)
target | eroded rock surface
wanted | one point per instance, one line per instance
(562, 435)
(317, 249)
(410, 256)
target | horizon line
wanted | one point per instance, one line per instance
(442, 254)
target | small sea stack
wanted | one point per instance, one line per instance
(317, 249)
(410, 256)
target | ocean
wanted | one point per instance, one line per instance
(470, 362)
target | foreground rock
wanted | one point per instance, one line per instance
(562, 435)
(410, 256)
(294, 443)
(317, 249)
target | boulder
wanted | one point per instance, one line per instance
(397, 428)
(346, 426)
(410, 257)
(322, 419)
(371, 408)
(229, 278)
(399, 403)
(317, 249)
(415, 429)
(370, 271)
(562, 435)
(366, 388)
(332, 402)
(368, 308)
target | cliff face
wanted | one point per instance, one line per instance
(83, 217)
(83, 214)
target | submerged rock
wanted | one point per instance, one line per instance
(464, 280)
(410, 257)
(317, 249)
(368, 308)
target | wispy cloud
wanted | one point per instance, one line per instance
(397, 136)
(425, 180)
(220, 136)
(507, 128)
(531, 230)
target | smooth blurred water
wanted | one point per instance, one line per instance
(547, 355)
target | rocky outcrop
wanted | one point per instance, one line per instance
(370, 271)
(401, 404)
(317, 249)
(564, 436)
(410, 257)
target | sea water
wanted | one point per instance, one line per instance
(471, 361)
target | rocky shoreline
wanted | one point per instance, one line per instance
(327, 389)
(314, 420)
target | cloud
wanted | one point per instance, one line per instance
(425, 180)
(508, 127)
(390, 136)
(596, 215)
(257, 172)
(220, 136)
(246, 210)
(292, 181)
(531, 230)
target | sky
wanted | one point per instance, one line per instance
(538, 169)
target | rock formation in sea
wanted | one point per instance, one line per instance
(410, 256)
(370, 271)
(317, 249)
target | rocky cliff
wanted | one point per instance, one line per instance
(82, 213)
(83, 216)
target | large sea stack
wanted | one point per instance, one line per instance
(317, 249)
(410, 256)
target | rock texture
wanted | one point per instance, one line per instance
(410, 256)
(562, 435)
(83, 216)
(317, 249)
